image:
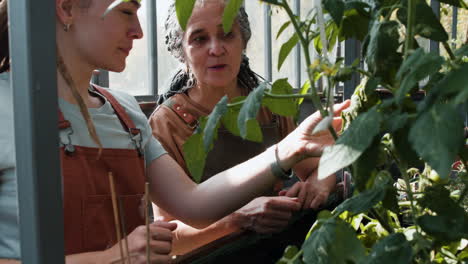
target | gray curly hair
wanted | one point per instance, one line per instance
(175, 34)
(183, 79)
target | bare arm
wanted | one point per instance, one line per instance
(201, 205)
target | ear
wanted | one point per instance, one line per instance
(64, 11)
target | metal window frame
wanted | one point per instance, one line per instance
(34, 84)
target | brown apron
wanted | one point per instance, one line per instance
(88, 213)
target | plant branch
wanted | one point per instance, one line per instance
(449, 50)
(368, 74)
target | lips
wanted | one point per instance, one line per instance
(126, 50)
(217, 67)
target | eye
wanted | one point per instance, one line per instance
(128, 12)
(199, 39)
(229, 35)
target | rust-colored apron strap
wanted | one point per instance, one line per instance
(119, 110)
(62, 123)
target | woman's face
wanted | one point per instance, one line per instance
(213, 56)
(105, 42)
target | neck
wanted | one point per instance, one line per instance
(80, 75)
(209, 96)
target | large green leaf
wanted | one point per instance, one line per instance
(437, 136)
(381, 51)
(364, 167)
(354, 141)
(211, 129)
(230, 14)
(354, 24)
(334, 242)
(415, 68)
(248, 114)
(444, 228)
(284, 107)
(426, 23)
(229, 120)
(286, 48)
(366, 200)
(335, 8)
(392, 249)
(184, 10)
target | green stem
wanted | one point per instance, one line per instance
(286, 96)
(410, 27)
(382, 221)
(449, 50)
(305, 47)
(296, 256)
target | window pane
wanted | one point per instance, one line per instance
(167, 65)
(256, 45)
(134, 79)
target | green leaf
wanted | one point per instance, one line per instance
(286, 49)
(365, 165)
(426, 23)
(381, 53)
(452, 85)
(335, 8)
(354, 141)
(405, 149)
(230, 14)
(332, 32)
(184, 10)
(305, 89)
(355, 24)
(437, 136)
(334, 242)
(283, 27)
(229, 120)
(211, 129)
(444, 228)
(415, 68)
(391, 249)
(195, 154)
(249, 112)
(366, 200)
(284, 107)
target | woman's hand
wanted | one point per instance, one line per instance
(160, 244)
(265, 214)
(311, 193)
(303, 143)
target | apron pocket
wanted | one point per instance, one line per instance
(98, 217)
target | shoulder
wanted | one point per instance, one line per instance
(125, 99)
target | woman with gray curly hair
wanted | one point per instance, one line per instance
(215, 66)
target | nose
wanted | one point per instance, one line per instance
(135, 32)
(217, 48)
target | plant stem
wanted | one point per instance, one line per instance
(382, 221)
(410, 27)
(305, 48)
(286, 96)
(449, 50)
